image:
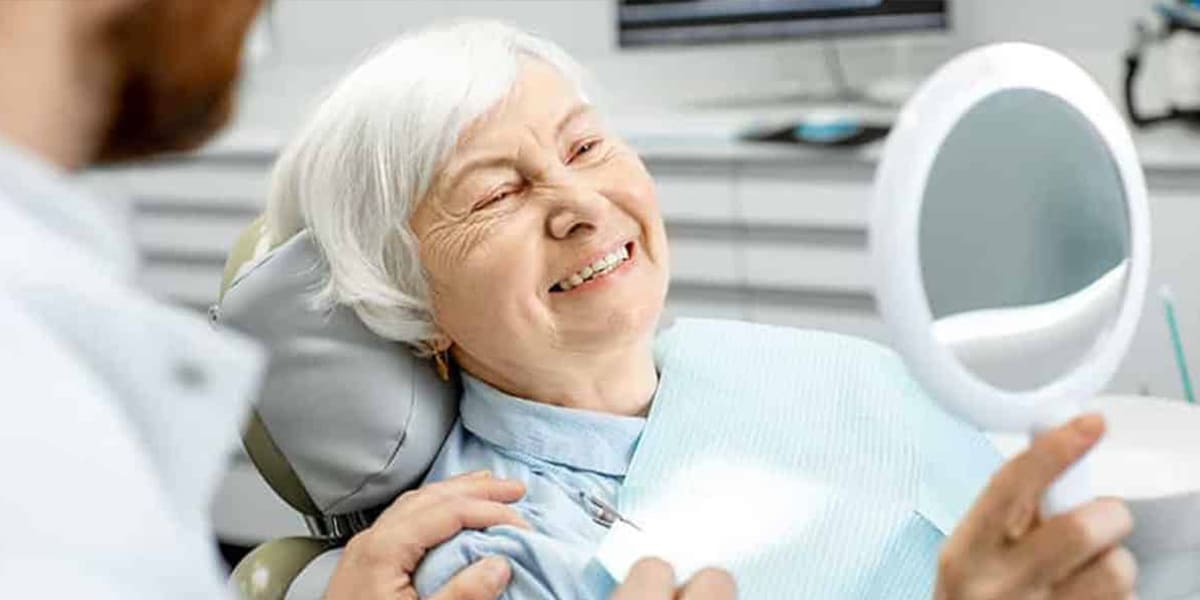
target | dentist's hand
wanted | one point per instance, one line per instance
(654, 579)
(1004, 549)
(379, 562)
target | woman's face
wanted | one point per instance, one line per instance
(541, 236)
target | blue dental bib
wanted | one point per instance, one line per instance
(809, 464)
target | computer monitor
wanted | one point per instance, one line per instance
(660, 22)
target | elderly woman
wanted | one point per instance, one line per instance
(471, 202)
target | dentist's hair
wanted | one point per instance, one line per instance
(371, 150)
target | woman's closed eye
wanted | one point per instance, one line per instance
(496, 196)
(583, 149)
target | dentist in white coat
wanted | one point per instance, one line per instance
(120, 411)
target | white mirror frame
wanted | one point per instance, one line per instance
(907, 160)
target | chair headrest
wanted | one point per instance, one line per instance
(346, 420)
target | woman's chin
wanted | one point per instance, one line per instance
(624, 305)
(614, 325)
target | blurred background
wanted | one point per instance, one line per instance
(770, 231)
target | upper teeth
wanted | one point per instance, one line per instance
(596, 269)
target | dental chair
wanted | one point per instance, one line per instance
(345, 420)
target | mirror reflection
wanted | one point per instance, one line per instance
(1024, 239)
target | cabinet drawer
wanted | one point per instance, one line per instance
(199, 184)
(193, 236)
(704, 261)
(812, 199)
(778, 264)
(695, 193)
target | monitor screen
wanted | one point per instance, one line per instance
(649, 22)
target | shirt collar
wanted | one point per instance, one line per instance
(48, 195)
(578, 439)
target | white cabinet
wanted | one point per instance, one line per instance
(184, 215)
(695, 193)
(807, 265)
(700, 260)
(819, 196)
(775, 238)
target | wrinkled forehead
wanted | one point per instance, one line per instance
(539, 100)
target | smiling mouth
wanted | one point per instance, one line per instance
(597, 270)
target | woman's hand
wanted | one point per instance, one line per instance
(654, 579)
(1003, 549)
(378, 563)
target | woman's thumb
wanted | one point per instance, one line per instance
(484, 580)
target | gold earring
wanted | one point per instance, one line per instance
(443, 365)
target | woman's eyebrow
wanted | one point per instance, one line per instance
(486, 161)
(575, 112)
(501, 160)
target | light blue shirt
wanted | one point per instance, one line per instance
(120, 412)
(559, 453)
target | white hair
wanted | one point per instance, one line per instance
(370, 152)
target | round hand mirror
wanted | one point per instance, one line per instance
(1010, 241)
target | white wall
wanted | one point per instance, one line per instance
(315, 40)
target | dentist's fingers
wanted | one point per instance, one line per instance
(483, 580)
(1009, 505)
(452, 514)
(403, 541)
(479, 484)
(379, 562)
(648, 579)
(710, 584)
(423, 518)
(654, 579)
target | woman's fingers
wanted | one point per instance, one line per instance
(1111, 575)
(1003, 548)
(710, 584)
(1062, 545)
(1008, 505)
(648, 579)
(483, 580)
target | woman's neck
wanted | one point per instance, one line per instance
(619, 382)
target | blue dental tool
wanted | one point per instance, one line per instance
(1177, 342)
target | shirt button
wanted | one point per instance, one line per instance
(190, 375)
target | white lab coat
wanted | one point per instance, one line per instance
(119, 412)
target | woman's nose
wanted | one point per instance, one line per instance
(574, 211)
